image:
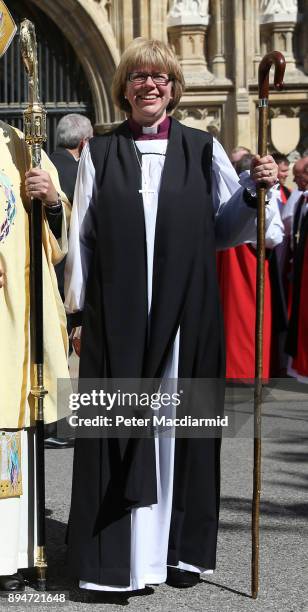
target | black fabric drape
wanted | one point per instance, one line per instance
(67, 167)
(298, 261)
(279, 306)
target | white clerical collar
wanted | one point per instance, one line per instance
(149, 130)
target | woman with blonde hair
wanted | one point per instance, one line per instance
(154, 199)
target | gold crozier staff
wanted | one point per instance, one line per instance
(35, 135)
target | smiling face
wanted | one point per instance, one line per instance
(148, 100)
(283, 171)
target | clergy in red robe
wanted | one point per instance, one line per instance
(237, 281)
(237, 269)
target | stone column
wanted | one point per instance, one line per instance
(304, 40)
(257, 50)
(240, 53)
(126, 12)
(277, 23)
(219, 61)
(187, 24)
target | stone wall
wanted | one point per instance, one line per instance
(219, 44)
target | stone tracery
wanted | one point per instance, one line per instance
(272, 7)
(182, 8)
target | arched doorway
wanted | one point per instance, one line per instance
(63, 84)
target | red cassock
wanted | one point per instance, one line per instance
(300, 362)
(237, 268)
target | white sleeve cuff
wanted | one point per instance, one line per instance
(247, 182)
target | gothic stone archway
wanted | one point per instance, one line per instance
(85, 25)
(63, 84)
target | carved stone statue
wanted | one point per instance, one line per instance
(271, 7)
(187, 23)
(191, 8)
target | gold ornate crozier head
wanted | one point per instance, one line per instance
(28, 47)
(7, 28)
(34, 114)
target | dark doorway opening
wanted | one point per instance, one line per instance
(63, 84)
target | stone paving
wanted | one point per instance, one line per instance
(284, 525)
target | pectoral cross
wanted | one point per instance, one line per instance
(146, 190)
(297, 236)
(302, 212)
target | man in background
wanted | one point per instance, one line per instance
(236, 155)
(295, 218)
(73, 131)
(283, 172)
(243, 163)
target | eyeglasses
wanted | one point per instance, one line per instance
(139, 78)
